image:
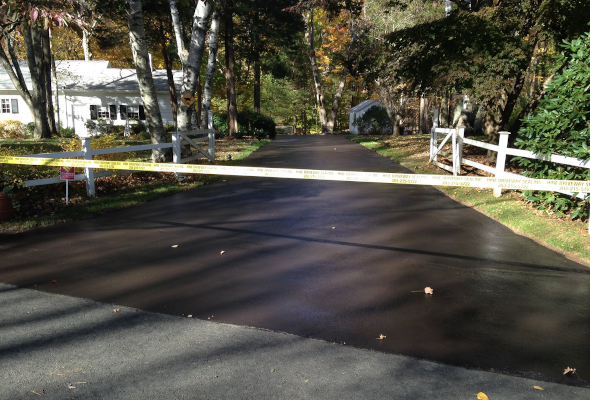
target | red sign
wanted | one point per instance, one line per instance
(66, 173)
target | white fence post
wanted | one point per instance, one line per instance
(433, 143)
(458, 149)
(211, 134)
(455, 153)
(176, 156)
(501, 160)
(89, 172)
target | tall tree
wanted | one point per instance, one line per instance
(344, 14)
(232, 107)
(31, 21)
(147, 88)
(191, 58)
(486, 49)
(211, 63)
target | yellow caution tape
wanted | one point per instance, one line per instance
(327, 175)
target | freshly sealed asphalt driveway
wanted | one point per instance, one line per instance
(341, 261)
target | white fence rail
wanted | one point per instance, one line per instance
(459, 139)
(87, 153)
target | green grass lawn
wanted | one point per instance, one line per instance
(563, 235)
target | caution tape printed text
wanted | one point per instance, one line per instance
(328, 175)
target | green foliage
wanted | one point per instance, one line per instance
(561, 125)
(66, 132)
(374, 121)
(249, 124)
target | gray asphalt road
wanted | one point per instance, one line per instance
(342, 262)
(56, 347)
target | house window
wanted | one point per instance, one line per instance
(103, 112)
(9, 106)
(132, 112)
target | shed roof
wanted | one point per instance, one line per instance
(77, 75)
(365, 105)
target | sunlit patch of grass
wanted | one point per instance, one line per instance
(563, 235)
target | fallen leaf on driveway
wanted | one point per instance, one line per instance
(175, 246)
(427, 290)
(381, 337)
(482, 396)
(538, 387)
(569, 371)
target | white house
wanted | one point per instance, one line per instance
(358, 111)
(90, 90)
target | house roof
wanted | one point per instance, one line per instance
(365, 105)
(77, 75)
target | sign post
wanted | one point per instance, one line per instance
(66, 174)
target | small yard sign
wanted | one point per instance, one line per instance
(67, 174)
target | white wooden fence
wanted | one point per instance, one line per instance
(87, 153)
(458, 140)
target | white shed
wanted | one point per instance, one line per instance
(358, 111)
(90, 90)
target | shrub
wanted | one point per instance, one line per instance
(66, 132)
(249, 124)
(95, 128)
(30, 127)
(13, 177)
(374, 121)
(561, 125)
(13, 130)
(220, 123)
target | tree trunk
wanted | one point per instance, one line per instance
(56, 82)
(14, 72)
(169, 75)
(424, 121)
(191, 59)
(309, 36)
(232, 108)
(337, 100)
(211, 63)
(257, 96)
(34, 50)
(46, 44)
(145, 79)
(86, 45)
(256, 57)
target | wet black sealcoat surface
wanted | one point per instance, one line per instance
(339, 261)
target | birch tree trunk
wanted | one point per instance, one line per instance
(191, 58)
(319, 95)
(86, 45)
(145, 79)
(211, 63)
